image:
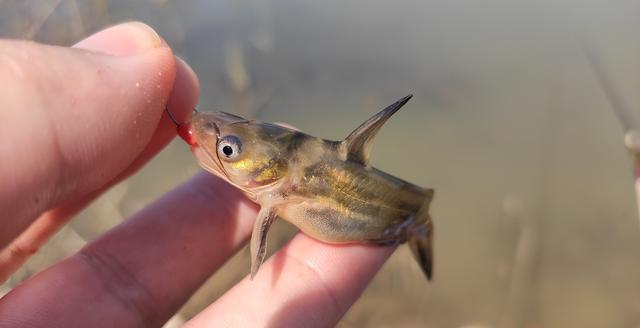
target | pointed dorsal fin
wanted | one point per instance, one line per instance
(358, 143)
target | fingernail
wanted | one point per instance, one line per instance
(123, 40)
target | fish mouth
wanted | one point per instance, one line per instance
(207, 134)
(210, 162)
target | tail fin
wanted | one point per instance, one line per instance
(421, 240)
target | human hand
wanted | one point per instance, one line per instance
(77, 121)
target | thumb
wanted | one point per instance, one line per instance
(76, 118)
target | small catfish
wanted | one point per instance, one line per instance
(325, 188)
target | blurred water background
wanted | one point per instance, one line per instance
(535, 209)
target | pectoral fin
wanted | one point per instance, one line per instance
(258, 246)
(358, 143)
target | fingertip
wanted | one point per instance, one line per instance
(186, 91)
(346, 267)
(187, 75)
(306, 281)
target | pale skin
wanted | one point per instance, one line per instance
(139, 273)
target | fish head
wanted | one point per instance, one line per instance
(247, 154)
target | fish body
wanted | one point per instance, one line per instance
(325, 188)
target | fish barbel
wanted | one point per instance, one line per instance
(325, 188)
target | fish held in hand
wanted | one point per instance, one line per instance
(325, 188)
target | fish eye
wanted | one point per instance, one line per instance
(229, 147)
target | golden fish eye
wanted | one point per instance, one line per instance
(229, 147)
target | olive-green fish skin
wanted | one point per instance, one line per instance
(325, 188)
(341, 202)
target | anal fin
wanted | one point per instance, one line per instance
(421, 238)
(421, 244)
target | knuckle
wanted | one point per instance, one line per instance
(121, 284)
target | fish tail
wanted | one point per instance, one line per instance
(421, 238)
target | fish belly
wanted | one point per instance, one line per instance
(331, 222)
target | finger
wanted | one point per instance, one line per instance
(305, 284)
(75, 118)
(141, 272)
(183, 98)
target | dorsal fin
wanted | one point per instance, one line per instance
(358, 143)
